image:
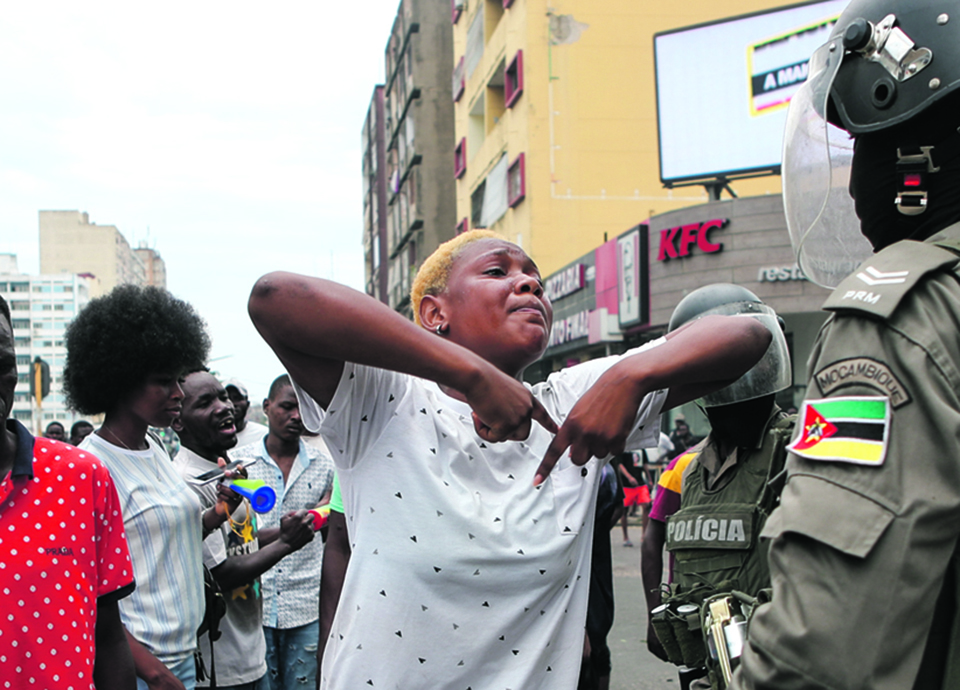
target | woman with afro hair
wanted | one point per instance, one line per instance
(471, 524)
(126, 353)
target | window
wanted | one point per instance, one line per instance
(476, 204)
(459, 81)
(20, 323)
(23, 359)
(516, 181)
(23, 378)
(488, 202)
(476, 125)
(474, 43)
(463, 226)
(22, 415)
(19, 287)
(21, 342)
(19, 306)
(460, 159)
(513, 80)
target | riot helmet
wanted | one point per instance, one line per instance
(772, 373)
(882, 87)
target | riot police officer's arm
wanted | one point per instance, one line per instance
(651, 572)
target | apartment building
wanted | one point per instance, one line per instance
(418, 138)
(556, 123)
(70, 243)
(41, 307)
(154, 267)
(374, 167)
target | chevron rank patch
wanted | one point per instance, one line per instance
(851, 429)
(873, 277)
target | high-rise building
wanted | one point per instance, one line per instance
(374, 166)
(70, 243)
(418, 146)
(556, 123)
(40, 309)
(154, 268)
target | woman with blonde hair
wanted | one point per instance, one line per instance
(464, 572)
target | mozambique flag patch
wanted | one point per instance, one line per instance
(852, 429)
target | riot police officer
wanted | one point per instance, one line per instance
(730, 483)
(864, 546)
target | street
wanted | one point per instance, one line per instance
(634, 668)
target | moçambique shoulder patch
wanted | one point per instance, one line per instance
(865, 372)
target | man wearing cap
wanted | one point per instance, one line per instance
(247, 431)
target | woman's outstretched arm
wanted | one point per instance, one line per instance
(697, 359)
(315, 325)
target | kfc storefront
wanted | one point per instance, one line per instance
(623, 293)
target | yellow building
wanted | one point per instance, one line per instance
(556, 104)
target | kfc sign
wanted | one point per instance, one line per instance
(676, 243)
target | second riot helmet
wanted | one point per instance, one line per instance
(772, 373)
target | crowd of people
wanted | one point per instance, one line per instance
(469, 513)
(437, 427)
(160, 538)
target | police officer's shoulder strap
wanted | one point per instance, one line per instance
(879, 284)
(690, 457)
(949, 243)
(782, 429)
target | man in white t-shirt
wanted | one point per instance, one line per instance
(236, 554)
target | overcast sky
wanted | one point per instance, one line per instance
(224, 134)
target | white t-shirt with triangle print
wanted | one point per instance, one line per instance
(462, 574)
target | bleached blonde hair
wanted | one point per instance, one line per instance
(435, 271)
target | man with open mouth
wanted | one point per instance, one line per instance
(236, 554)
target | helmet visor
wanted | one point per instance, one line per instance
(817, 157)
(771, 374)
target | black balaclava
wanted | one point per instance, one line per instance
(874, 178)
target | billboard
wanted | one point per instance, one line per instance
(723, 88)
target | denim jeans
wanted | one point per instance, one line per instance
(291, 658)
(186, 671)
